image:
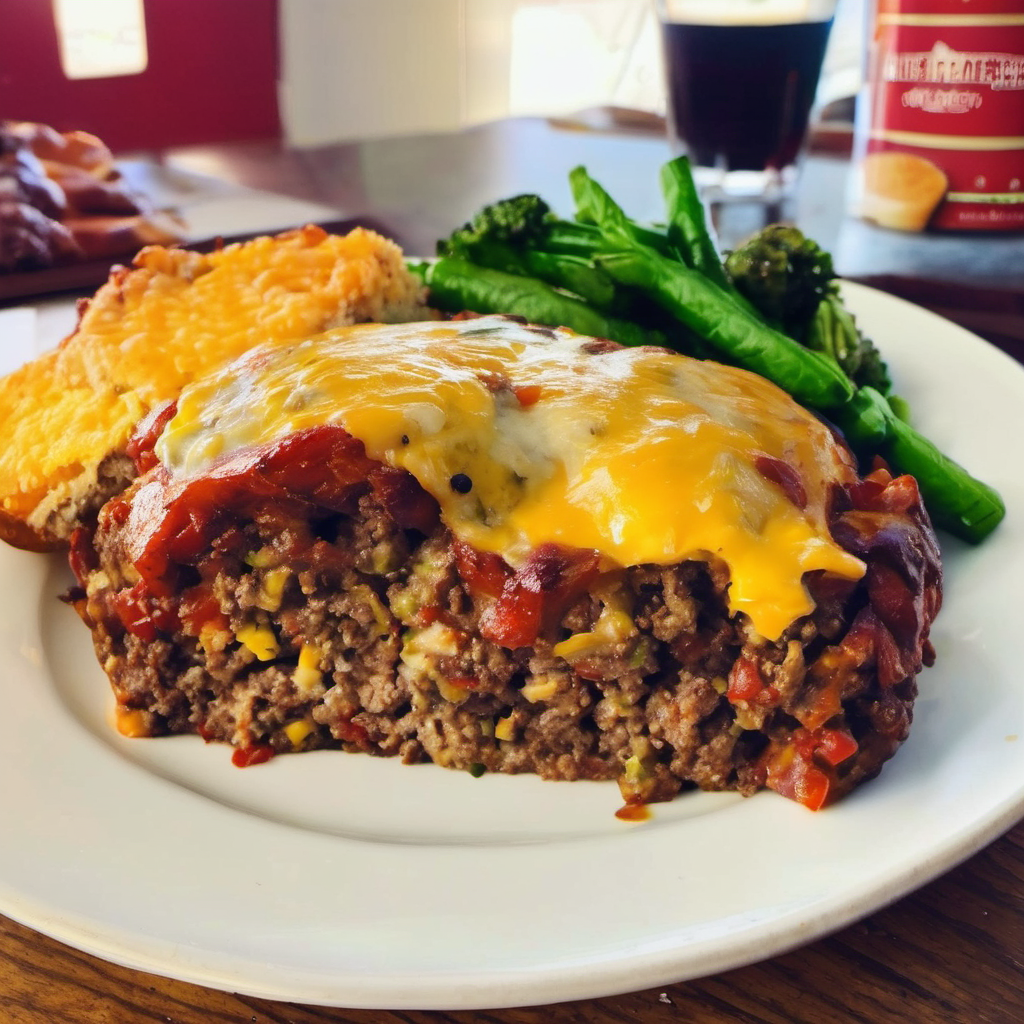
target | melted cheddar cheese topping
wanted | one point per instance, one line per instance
(527, 435)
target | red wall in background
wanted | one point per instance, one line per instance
(212, 76)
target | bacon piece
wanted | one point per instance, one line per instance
(404, 499)
(484, 573)
(784, 476)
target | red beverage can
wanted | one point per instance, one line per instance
(941, 135)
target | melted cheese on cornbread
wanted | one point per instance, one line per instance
(524, 437)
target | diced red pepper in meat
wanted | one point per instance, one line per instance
(527, 394)
(246, 757)
(351, 732)
(538, 593)
(803, 769)
(879, 491)
(143, 614)
(199, 608)
(745, 682)
(835, 745)
(425, 616)
(799, 780)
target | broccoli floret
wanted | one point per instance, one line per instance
(835, 332)
(791, 282)
(517, 221)
(783, 274)
(873, 373)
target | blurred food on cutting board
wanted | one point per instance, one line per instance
(63, 201)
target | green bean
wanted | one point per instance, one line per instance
(687, 225)
(956, 501)
(584, 240)
(708, 309)
(456, 285)
(736, 335)
(573, 273)
(596, 206)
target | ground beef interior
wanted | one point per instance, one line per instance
(298, 628)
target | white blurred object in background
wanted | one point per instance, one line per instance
(360, 69)
(567, 55)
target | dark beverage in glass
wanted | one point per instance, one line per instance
(740, 96)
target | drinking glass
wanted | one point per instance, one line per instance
(741, 79)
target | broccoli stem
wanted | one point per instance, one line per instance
(833, 331)
(456, 285)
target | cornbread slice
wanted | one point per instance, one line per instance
(173, 316)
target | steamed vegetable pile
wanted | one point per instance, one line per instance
(773, 306)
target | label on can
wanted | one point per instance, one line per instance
(943, 145)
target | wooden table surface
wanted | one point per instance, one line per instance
(951, 952)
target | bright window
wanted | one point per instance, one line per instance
(570, 54)
(101, 38)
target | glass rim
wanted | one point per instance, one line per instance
(744, 12)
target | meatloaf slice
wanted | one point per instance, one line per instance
(291, 616)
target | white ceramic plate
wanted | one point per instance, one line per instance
(348, 880)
